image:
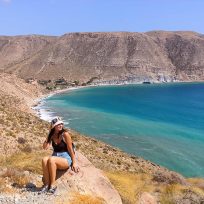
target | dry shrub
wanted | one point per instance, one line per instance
(16, 177)
(20, 180)
(21, 140)
(4, 188)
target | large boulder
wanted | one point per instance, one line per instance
(147, 198)
(89, 181)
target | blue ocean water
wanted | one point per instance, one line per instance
(163, 123)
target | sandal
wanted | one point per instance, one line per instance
(52, 189)
(44, 189)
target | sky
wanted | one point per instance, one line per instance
(57, 17)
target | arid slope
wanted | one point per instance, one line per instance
(22, 134)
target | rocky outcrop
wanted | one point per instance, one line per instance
(89, 181)
(105, 56)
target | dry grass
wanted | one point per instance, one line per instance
(169, 192)
(25, 161)
(86, 199)
(15, 164)
(130, 185)
(197, 185)
(197, 182)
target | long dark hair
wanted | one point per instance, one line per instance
(49, 137)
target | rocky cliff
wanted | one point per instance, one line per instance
(153, 56)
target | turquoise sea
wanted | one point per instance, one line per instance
(163, 123)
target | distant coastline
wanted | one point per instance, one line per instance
(36, 106)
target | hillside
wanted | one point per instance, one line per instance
(155, 56)
(22, 133)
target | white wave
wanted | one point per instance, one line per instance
(148, 149)
(70, 119)
(46, 115)
(66, 123)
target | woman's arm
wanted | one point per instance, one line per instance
(68, 141)
(46, 145)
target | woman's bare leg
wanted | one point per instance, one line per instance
(55, 163)
(46, 175)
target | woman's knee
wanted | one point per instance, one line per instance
(45, 160)
(51, 161)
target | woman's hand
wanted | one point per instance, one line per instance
(46, 145)
(75, 168)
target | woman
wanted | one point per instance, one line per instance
(63, 155)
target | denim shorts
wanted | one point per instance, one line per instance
(63, 155)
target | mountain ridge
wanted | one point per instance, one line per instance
(105, 55)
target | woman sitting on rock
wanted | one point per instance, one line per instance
(63, 155)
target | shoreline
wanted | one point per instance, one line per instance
(38, 102)
(35, 106)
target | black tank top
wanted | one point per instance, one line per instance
(61, 147)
